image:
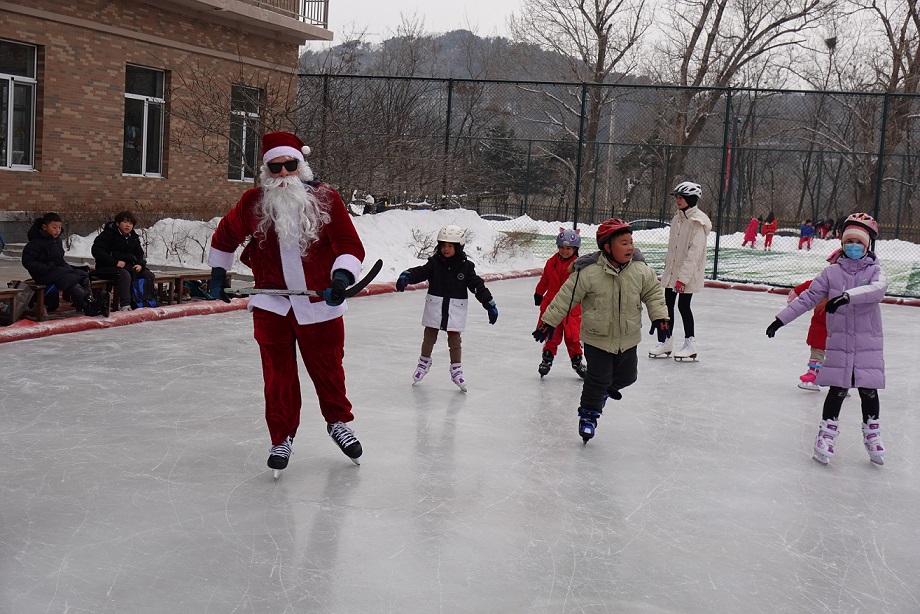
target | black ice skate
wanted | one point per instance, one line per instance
(547, 363)
(345, 438)
(587, 422)
(579, 365)
(279, 455)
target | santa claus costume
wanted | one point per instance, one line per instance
(300, 237)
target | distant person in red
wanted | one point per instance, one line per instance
(816, 339)
(769, 231)
(300, 238)
(555, 273)
(806, 234)
(750, 235)
(823, 227)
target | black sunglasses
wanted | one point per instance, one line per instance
(290, 165)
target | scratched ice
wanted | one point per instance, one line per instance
(134, 478)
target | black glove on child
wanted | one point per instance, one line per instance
(837, 302)
(402, 282)
(537, 299)
(775, 325)
(543, 332)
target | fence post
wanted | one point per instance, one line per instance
(880, 167)
(527, 176)
(322, 139)
(725, 188)
(450, 104)
(581, 143)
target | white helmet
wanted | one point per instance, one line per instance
(452, 234)
(688, 188)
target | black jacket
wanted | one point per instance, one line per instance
(450, 278)
(111, 246)
(43, 258)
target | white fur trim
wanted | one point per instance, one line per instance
(292, 268)
(349, 263)
(305, 150)
(218, 258)
(284, 150)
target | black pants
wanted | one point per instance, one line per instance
(834, 400)
(683, 305)
(123, 276)
(607, 374)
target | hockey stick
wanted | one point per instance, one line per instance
(350, 292)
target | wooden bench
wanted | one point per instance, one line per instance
(40, 313)
(9, 296)
(194, 276)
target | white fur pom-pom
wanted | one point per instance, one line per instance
(305, 150)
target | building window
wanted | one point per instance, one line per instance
(144, 106)
(244, 131)
(17, 105)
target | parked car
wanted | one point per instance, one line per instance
(787, 232)
(648, 224)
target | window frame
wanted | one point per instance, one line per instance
(14, 81)
(157, 101)
(247, 119)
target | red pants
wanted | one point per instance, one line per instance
(322, 348)
(571, 329)
(806, 241)
(767, 241)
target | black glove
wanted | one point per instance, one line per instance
(837, 302)
(775, 325)
(217, 284)
(537, 299)
(658, 326)
(334, 295)
(493, 312)
(543, 332)
(402, 282)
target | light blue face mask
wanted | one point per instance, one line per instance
(854, 251)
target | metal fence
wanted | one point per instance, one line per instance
(579, 154)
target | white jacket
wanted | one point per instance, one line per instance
(686, 259)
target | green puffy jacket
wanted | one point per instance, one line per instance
(611, 302)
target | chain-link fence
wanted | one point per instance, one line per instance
(578, 154)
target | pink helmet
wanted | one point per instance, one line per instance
(863, 220)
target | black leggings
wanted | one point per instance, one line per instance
(835, 397)
(683, 305)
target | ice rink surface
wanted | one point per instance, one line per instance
(134, 477)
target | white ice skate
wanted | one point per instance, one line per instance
(456, 375)
(810, 386)
(824, 442)
(663, 349)
(688, 352)
(279, 455)
(424, 363)
(872, 439)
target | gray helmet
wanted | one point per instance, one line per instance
(452, 234)
(688, 188)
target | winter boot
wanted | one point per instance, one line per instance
(279, 455)
(97, 306)
(663, 349)
(456, 375)
(808, 379)
(547, 363)
(579, 365)
(824, 442)
(872, 438)
(587, 422)
(688, 352)
(424, 363)
(345, 438)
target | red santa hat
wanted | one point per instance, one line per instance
(856, 232)
(279, 144)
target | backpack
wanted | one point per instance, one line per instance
(143, 294)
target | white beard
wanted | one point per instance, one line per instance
(292, 210)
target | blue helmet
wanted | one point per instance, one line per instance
(568, 238)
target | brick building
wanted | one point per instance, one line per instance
(151, 105)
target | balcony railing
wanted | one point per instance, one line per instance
(313, 12)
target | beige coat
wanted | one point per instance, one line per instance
(611, 302)
(686, 259)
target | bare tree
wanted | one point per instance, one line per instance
(718, 43)
(598, 40)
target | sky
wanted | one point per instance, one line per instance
(381, 19)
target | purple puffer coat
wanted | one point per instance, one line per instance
(855, 355)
